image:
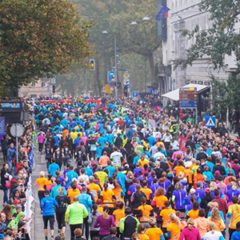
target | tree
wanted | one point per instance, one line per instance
(39, 38)
(219, 40)
(115, 17)
(141, 38)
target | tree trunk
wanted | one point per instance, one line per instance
(98, 83)
(11, 90)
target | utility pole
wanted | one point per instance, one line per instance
(115, 68)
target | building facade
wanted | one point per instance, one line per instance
(185, 15)
(38, 88)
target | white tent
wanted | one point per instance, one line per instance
(174, 95)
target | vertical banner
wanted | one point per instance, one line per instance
(2, 130)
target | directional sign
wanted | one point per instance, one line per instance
(187, 104)
(135, 94)
(210, 121)
(188, 98)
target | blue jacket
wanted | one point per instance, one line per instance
(235, 235)
(167, 183)
(10, 154)
(55, 193)
(86, 200)
(88, 171)
(111, 170)
(47, 205)
(179, 198)
(53, 167)
(230, 193)
(70, 175)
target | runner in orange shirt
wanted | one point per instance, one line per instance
(194, 212)
(147, 191)
(73, 191)
(107, 196)
(94, 188)
(65, 133)
(159, 198)
(119, 213)
(42, 185)
(103, 160)
(142, 232)
(143, 161)
(174, 228)
(154, 233)
(179, 168)
(165, 215)
(145, 209)
(117, 190)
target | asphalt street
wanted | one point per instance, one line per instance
(37, 222)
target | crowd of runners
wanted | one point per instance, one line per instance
(131, 170)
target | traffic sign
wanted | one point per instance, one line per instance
(210, 121)
(17, 130)
(153, 91)
(126, 82)
(135, 94)
(126, 75)
(53, 80)
(108, 88)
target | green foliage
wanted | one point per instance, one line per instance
(115, 17)
(39, 38)
(219, 40)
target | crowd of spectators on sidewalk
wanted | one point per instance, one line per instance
(15, 175)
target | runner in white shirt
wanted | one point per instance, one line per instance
(116, 158)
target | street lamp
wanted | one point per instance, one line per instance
(134, 23)
(146, 18)
(115, 62)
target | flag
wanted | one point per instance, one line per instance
(163, 13)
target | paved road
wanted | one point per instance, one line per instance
(37, 226)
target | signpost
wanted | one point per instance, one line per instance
(210, 121)
(188, 99)
(111, 76)
(135, 94)
(17, 130)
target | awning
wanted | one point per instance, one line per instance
(174, 95)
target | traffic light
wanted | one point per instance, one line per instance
(53, 89)
(92, 64)
(111, 76)
(125, 90)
